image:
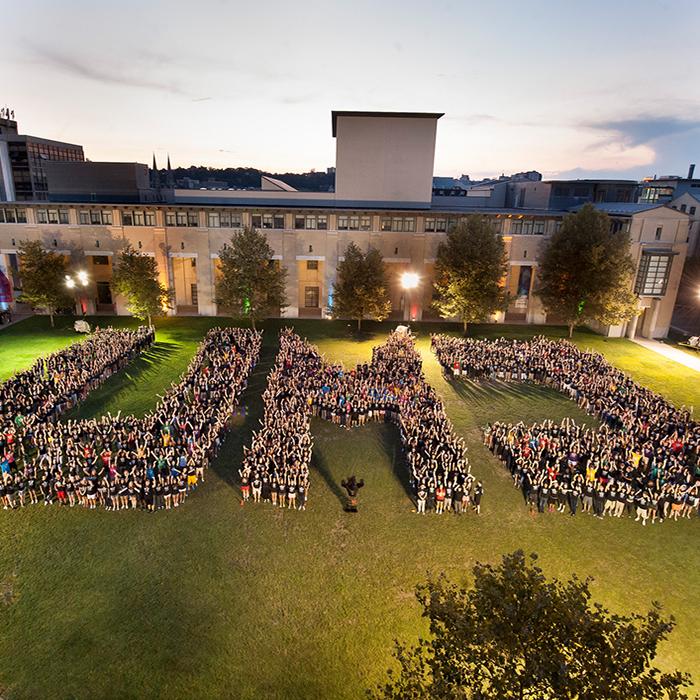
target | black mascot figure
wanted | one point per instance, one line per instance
(352, 486)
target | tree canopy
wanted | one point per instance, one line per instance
(517, 635)
(135, 277)
(469, 272)
(361, 288)
(586, 271)
(250, 284)
(43, 275)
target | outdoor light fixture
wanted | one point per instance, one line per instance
(82, 280)
(409, 280)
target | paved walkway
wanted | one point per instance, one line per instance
(671, 353)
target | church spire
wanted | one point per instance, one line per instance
(155, 177)
(169, 179)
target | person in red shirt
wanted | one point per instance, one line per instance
(440, 492)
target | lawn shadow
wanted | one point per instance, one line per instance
(245, 422)
(126, 379)
(319, 462)
(387, 434)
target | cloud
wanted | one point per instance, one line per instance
(202, 99)
(102, 73)
(644, 129)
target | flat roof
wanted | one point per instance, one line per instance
(401, 115)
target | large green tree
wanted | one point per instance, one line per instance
(586, 271)
(251, 284)
(469, 272)
(43, 276)
(517, 635)
(361, 287)
(135, 277)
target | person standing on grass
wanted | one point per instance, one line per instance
(478, 494)
(421, 497)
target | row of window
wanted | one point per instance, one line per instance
(13, 216)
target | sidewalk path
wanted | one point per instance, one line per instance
(670, 352)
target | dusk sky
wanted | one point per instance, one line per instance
(568, 88)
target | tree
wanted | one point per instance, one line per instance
(251, 284)
(469, 270)
(586, 271)
(43, 276)
(136, 278)
(361, 286)
(515, 634)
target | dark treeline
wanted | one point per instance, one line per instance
(250, 177)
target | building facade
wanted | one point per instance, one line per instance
(309, 231)
(23, 159)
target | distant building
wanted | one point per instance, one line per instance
(98, 182)
(565, 194)
(23, 159)
(664, 189)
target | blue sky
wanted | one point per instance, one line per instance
(567, 88)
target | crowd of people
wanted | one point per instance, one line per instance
(118, 462)
(643, 461)
(391, 388)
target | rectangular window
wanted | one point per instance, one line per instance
(84, 218)
(42, 216)
(192, 218)
(342, 223)
(691, 211)
(527, 227)
(53, 216)
(150, 218)
(213, 220)
(538, 227)
(256, 220)
(385, 223)
(170, 219)
(9, 217)
(278, 221)
(312, 264)
(409, 224)
(311, 222)
(397, 224)
(683, 207)
(524, 280)
(138, 218)
(322, 222)
(659, 233)
(95, 218)
(194, 294)
(181, 218)
(267, 221)
(106, 216)
(516, 227)
(311, 297)
(365, 223)
(100, 260)
(22, 215)
(653, 274)
(127, 218)
(299, 222)
(63, 216)
(430, 225)
(354, 223)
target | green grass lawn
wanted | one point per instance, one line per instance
(218, 600)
